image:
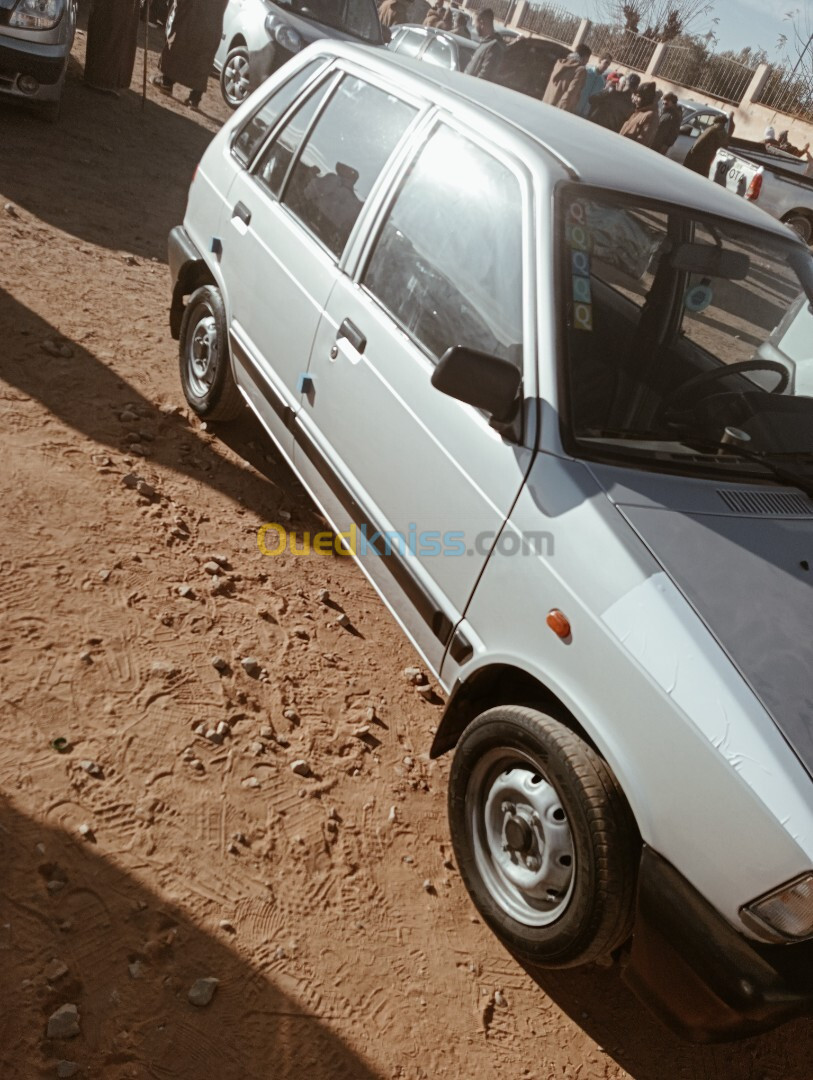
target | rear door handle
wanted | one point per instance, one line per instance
(242, 212)
(350, 331)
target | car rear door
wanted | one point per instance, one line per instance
(424, 479)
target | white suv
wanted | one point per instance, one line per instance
(518, 370)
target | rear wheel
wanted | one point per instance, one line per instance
(206, 377)
(234, 78)
(800, 224)
(544, 840)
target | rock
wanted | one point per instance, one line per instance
(163, 669)
(257, 748)
(65, 1069)
(280, 953)
(300, 767)
(131, 260)
(202, 991)
(408, 860)
(53, 348)
(343, 620)
(233, 849)
(213, 568)
(55, 970)
(333, 814)
(11, 210)
(292, 715)
(414, 676)
(145, 489)
(136, 970)
(104, 575)
(92, 769)
(137, 449)
(428, 886)
(86, 831)
(54, 885)
(250, 665)
(196, 764)
(199, 729)
(409, 762)
(221, 560)
(360, 732)
(223, 729)
(266, 732)
(499, 998)
(323, 596)
(127, 416)
(219, 664)
(392, 817)
(212, 735)
(282, 741)
(131, 480)
(229, 927)
(425, 691)
(251, 782)
(186, 591)
(86, 656)
(64, 1023)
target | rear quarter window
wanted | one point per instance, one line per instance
(252, 134)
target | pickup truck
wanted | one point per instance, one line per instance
(775, 181)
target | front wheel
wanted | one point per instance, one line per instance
(544, 839)
(206, 377)
(234, 78)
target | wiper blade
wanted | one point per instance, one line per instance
(764, 458)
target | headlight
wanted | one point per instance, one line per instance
(788, 911)
(288, 38)
(37, 14)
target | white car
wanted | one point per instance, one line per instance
(518, 371)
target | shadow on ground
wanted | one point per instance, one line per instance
(131, 958)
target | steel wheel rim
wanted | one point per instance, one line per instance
(235, 78)
(521, 839)
(201, 354)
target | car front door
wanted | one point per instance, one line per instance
(424, 478)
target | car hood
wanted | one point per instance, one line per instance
(750, 579)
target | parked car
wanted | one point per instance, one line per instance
(516, 370)
(36, 37)
(447, 50)
(697, 118)
(774, 181)
(259, 36)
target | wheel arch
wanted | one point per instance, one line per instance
(191, 276)
(498, 684)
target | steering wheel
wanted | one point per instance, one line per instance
(687, 390)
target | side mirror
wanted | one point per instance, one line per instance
(686, 129)
(479, 379)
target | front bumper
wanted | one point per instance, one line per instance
(703, 979)
(45, 63)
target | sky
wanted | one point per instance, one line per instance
(757, 23)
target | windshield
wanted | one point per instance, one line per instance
(356, 17)
(688, 340)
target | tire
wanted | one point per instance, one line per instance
(206, 377)
(800, 224)
(234, 77)
(545, 842)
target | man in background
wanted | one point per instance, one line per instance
(612, 108)
(190, 50)
(567, 80)
(668, 125)
(642, 126)
(705, 147)
(111, 44)
(485, 63)
(594, 82)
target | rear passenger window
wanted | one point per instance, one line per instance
(275, 159)
(410, 42)
(342, 158)
(255, 130)
(448, 263)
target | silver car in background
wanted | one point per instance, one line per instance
(259, 36)
(36, 37)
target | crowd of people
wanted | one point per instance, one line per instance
(634, 109)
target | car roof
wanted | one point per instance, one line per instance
(435, 31)
(574, 148)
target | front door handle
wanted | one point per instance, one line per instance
(350, 331)
(242, 212)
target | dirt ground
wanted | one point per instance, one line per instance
(327, 906)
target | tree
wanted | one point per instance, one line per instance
(663, 20)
